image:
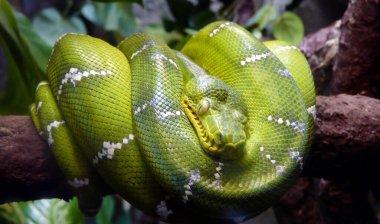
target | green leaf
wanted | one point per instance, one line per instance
(51, 211)
(50, 25)
(15, 98)
(24, 72)
(112, 17)
(124, 218)
(11, 213)
(262, 17)
(38, 48)
(289, 27)
(202, 18)
(92, 12)
(73, 211)
(158, 30)
(7, 20)
(106, 211)
(46, 211)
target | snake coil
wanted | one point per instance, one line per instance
(168, 137)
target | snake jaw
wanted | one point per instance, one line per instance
(211, 144)
(197, 124)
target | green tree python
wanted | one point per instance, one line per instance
(218, 130)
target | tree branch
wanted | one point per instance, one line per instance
(347, 136)
(28, 169)
(339, 184)
(356, 68)
(339, 171)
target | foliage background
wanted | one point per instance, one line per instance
(29, 30)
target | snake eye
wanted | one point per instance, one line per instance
(204, 106)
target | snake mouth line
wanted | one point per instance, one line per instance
(207, 143)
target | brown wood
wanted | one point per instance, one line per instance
(357, 64)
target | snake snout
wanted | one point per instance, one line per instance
(230, 141)
(233, 140)
(230, 135)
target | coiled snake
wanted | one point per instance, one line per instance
(167, 136)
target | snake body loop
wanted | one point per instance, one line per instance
(219, 129)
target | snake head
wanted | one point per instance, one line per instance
(218, 115)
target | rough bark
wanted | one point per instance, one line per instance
(319, 200)
(299, 205)
(28, 170)
(347, 136)
(339, 172)
(357, 67)
(320, 49)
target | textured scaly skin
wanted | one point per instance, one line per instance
(95, 100)
(123, 109)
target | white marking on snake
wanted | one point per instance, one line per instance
(296, 125)
(299, 126)
(280, 170)
(313, 111)
(285, 48)
(217, 182)
(255, 57)
(43, 83)
(296, 156)
(162, 114)
(194, 177)
(268, 156)
(39, 104)
(54, 124)
(109, 148)
(170, 114)
(143, 48)
(216, 30)
(77, 182)
(143, 107)
(159, 57)
(74, 75)
(162, 210)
